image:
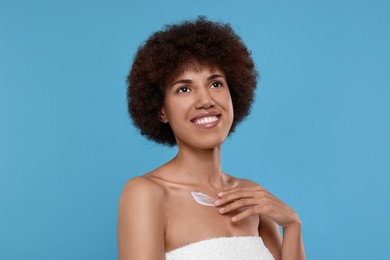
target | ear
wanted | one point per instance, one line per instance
(162, 116)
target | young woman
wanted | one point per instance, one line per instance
(190, 85)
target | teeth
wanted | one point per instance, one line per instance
(205, 120)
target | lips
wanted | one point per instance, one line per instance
(207, 119)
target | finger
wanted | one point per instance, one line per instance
(239, 204)
(234, 196)
(228, 191)
(247, 213)
(238, 188)
(254, 193)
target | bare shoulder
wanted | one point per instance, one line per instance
(234, 181)
(141, 194)
(142, 188)
(141, 222)
(245, 182)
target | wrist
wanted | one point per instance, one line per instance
(295, 224)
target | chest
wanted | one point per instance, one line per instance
(188, 222)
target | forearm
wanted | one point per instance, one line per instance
(292, 245)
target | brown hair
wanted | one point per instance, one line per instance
(167, 53)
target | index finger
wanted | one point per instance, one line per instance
(240, 188)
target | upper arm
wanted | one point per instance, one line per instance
(141, 221)
(270, 234)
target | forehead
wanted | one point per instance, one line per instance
(189, 70)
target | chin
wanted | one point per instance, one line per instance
(208, 146)
(203, 143)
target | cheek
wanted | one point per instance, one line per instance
(226, 102)
(176, 111)
(229, 108)
(169, 108)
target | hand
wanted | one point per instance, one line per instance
(255, 200)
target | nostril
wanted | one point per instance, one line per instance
(205, 103)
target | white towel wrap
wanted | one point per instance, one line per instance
(223, 248)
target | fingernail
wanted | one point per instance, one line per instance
(220, 194)
(222, 210)
(217, 202)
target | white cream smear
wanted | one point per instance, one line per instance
(205, 120)
(203, 199)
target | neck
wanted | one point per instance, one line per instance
(201, 167)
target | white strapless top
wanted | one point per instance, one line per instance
(223, 248)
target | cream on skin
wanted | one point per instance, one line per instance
(203, 199)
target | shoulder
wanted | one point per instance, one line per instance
(142, 187)
(142, 197)
(141, 220)
(234, 181)
(245, 182)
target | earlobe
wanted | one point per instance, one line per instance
(163, 119)
(162, 116)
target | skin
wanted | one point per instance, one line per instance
(157, 212)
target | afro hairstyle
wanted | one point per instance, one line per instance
(167, 53)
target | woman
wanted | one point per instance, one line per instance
(190, 85)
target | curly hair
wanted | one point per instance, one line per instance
(167, 53)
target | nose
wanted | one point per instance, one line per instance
(204, 99)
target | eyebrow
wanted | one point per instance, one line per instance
(188, 81)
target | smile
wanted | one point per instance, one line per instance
(205, 120)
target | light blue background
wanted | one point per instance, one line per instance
(318, 135)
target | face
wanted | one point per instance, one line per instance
(199, 108)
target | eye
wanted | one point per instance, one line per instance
(183, 90)
(216, 84)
